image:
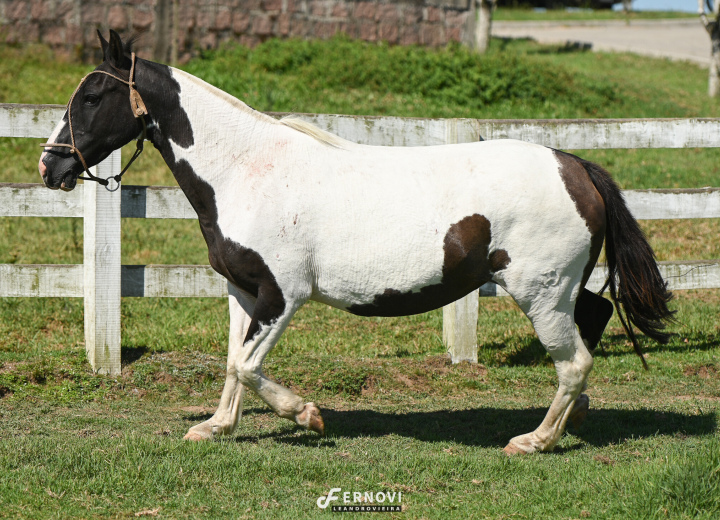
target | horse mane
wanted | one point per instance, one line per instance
(313, 131)
(291, 121)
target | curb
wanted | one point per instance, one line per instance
(501, 24)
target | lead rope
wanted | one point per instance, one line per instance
(139, 111)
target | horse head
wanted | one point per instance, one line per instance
(98, 120)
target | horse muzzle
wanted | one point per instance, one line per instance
(66, 181)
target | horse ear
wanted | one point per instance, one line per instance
(115, 54)
(103, 44)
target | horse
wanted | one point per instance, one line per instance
(291, 213)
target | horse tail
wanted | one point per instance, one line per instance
(634, 280)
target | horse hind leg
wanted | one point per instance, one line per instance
(551, 312)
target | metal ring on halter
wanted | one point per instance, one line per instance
(107, 186)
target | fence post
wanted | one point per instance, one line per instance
(460, 317)
(102, 270)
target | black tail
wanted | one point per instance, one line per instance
(634, 280)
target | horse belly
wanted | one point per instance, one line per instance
(414, 274)
(393, 302)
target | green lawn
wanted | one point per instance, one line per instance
(399, 417)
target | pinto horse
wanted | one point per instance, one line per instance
(291, 213)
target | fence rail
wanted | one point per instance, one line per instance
(161, 202)
(102, 281)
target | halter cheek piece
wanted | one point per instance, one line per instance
(139, 111)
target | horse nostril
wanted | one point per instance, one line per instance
(42, 168)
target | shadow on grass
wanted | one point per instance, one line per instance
(493, 427)
(529, 354)
(532, 353)
(701, 342)
(129, 355)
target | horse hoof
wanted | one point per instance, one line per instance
(579, 410)
(311, 419)
(511, 449)
(524, 445)
(192, 436)
(200, 432)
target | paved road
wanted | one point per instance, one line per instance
(674, 39)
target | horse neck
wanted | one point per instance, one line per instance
(200, 126)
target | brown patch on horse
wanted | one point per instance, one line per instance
(588, 203)
(467, 264)
(499, 260)
(466, 250)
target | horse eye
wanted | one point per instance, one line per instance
(91, 99)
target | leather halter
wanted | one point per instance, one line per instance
(139, 111)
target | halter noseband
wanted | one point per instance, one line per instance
(139, 111)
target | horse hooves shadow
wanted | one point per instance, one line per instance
(482, 427)
(494, 427)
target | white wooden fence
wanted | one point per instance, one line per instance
(102, 280)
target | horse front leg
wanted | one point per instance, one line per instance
(227, 415)
(249, 370)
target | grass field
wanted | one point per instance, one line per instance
(399, 417)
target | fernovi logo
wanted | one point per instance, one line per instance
(356, 501)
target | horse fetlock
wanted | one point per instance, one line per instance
(311, 419)
(222, 429)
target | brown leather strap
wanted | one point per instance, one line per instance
(136, 102)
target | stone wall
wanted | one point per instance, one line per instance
(173, 30)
